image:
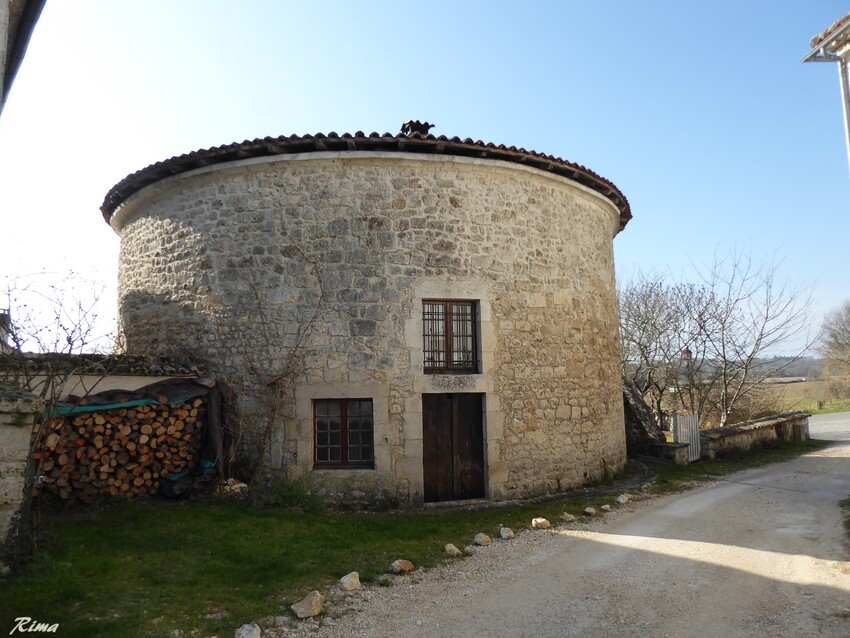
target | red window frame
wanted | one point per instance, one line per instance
(343, 428)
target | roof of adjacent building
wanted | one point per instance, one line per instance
(23, 14)
(821, 37)
(100, 364)
(359, 141)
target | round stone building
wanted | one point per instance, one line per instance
(399, 319)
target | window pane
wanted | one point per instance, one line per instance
(328, 427)
(321, 409)
(343, 431)
(434, 334)
(448, 330)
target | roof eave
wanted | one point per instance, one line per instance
(269, 147)
(823, 51)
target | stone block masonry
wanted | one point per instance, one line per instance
(302, 277)
(18, 417)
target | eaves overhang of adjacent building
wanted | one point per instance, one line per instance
(832, 43)
(373, 142)
(23, 14)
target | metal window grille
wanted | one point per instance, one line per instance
(449, 338)
(344, 432)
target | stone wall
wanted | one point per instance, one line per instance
(743, 437)
(302, 276)
(18, 415)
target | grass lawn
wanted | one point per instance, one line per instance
(815, 396)
(829, 407)
(147, 568)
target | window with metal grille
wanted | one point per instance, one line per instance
(449, 336)
(344, 433)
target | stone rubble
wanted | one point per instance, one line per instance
(311, 605)
(566, 517)
(451, 550)
(540, 523)
(232, 486)
(622, 499)
(605, 508)
(590, 511)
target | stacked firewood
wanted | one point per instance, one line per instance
(125, 452)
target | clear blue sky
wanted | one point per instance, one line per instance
(701, 113)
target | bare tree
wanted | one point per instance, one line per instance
(56, 319)
(835, 345)
(753, 315)
(650, 330)
(702, 347)
(46, 315)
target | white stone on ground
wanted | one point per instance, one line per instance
(350, 582)
(482, 539)
(249, 631)
(311, 605)
(451, 550)
(590, 511)
(540, 523)
(506, 533)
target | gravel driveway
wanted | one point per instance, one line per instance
(761, 553)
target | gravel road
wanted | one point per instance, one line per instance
(761, 553)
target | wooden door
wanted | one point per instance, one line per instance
(453, 446)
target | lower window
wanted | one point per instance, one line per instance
(343, 433)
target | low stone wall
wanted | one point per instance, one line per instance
(743, 437)
(676, 452)
(18, 417)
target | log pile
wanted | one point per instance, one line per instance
(121, 453)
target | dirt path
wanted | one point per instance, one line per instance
(762, 553)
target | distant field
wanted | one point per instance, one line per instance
(809, 396)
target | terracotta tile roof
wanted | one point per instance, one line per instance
(359, 141)
(835, 26)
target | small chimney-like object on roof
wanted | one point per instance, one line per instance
(411, 127)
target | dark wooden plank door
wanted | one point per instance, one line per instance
(453, 446)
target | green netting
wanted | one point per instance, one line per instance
(65, 410)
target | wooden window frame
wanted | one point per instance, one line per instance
(448, 336)
(344, 462)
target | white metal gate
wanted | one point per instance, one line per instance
(686, 430)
